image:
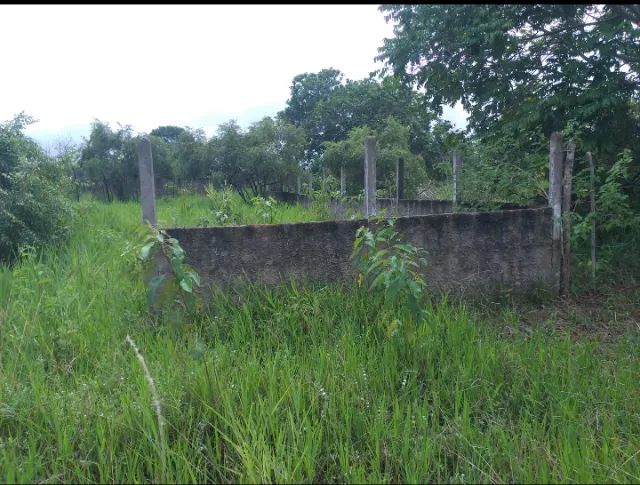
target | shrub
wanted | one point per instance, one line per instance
(264, 208)
(178, 288)
(221, 207)
(34, 208)
(390, 265)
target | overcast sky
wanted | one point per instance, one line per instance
(196, 65)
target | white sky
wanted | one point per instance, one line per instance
(194, 65)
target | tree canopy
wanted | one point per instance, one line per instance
(521, 66)
(393, 143)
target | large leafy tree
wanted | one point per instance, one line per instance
(392, 142)
(259, 158)
(370, 102)
(108, 160)
(307, 90)
(333, 108)
(180, 154)
(168, 133)
(523, 71)
(520, 65)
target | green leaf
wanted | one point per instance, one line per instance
(194, 276)
(186, 285)
(146, 249)
(377, 280)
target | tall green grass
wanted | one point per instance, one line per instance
(290, 384)
(197, 210)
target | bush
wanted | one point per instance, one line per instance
(34, 208)
(389, 265)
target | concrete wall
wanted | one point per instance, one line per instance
(467, 252)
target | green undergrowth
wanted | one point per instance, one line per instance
(292, 384)
(201, 211)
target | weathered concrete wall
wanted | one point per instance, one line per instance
(467, 252)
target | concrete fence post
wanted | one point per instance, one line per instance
(299, 184)
(343, 181)
(457, 168)
(592, 195)
(310, 180)
(565, 272)
(399, 181)
(323, 180)
(555, 199)
(369, 176)
(147, 185)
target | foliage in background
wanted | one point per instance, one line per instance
(498, 169)
(108, 160)
(329, 108)
(525, 70)
(392, 144)
(272, 152)
(617, 222)
(256, 160)
(522, 66)
(612, 203)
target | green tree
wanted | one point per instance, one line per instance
(168, 133)
(190, 157)
(329, 114)
(34, 188)
(523, 71)
(393, 143)
(16, 146)
(525, 66)
(307, 90)
(258, 159)
(108, 160)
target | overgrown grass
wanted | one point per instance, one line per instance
(291, 384)
(198, 210)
